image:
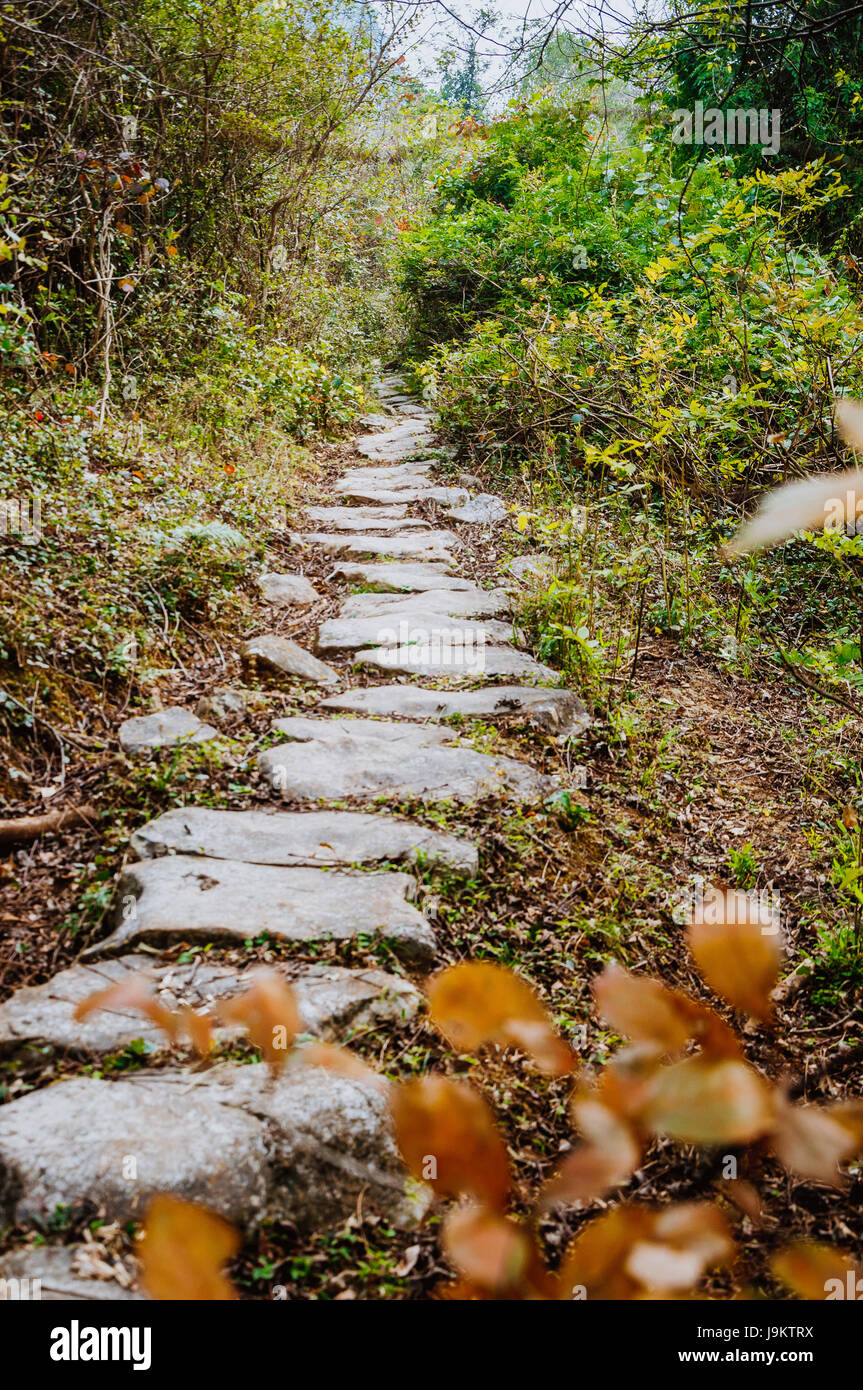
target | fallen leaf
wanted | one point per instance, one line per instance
(183, 1251)
(702, 1100)
(477, 1002)
(448, 1138)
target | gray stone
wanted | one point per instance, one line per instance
(449, 603)
(469, 480)
(529, 568)
(224, 705)
(485, 509)
(405, 578)
(183, 898)
(331, 999)
(375, 421)
(165, 729)
(400, 441)
(369, 759)
(72, 1273)
(470, 661)
(396, 478)
(323, 839)
(283, 656)
(427, 545)
(405, 626)
(348, 522)
(301, 1147)
(287, 590)
(391, 513)
(367, 492)
(557, 712)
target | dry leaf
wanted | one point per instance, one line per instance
(183, 1251)
(344, 1062)
(608, 1159)
(487, 1248)
(745, 1197)
(641, 1008)
(477, 1002)
(268, 1011)
(816, 1271)
(448, 1138)
(849, 422)
(706, 1101)
(739, 960)
(811, 1142)
(132, 992)
(805, 506)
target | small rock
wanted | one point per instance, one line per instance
(224, 705)
(530, 567)
(469, 480)
(287, 590)
(485, 510)
(165, 729)
(286, 658)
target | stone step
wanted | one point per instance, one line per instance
(332, 1001)
(322, 839)
(367, 492)
(301, 1147)
(279, 655)
(402, 476)
(167, 728)
(183, 898)
(471, 661)
(370, 759)
(402, 578)
(347, 522)
(557, 712)
(447, 603)
(287, 590)
(402, 441)
(392, 512)
(427, 545)
(405, 626)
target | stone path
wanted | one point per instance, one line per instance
(304, 1146)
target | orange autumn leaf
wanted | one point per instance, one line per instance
(816, 1272)
(477, 1002)
(641, 1008)
(608, 1159)
(344, 1062)
(488, 1249)
(134, 992)
(183, 1251)
(812, 1142)
(703, 1100)
(448, 1138)
(740, 960)
(595, 1260)
(268, 1011)
(199, 1028)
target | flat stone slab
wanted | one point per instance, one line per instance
(167, 728)
(485, 509)
(331, 1000)
(367, 492)
(448, 603)
(322, 839)
(404, 476)
(184, 898)
(348, 522)
(73, 1273)
(557, 712)
(470, 661)
(298, 1148)
(287, 590)
(402, 578)
(405, 626)
(368, 759)
(286, 658)
(223, 704)
(392, 512)
(428, 545)
(401, 441)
